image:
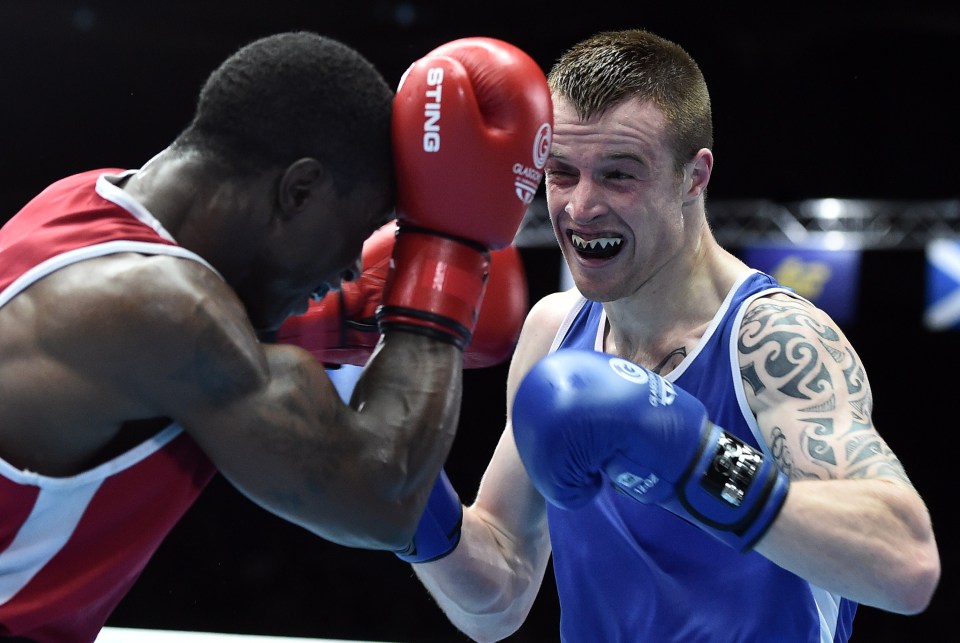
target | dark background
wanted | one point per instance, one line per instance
(811, 100)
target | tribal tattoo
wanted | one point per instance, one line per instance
(791, 357)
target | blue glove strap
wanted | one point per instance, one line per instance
(731, 490)
(438, 532)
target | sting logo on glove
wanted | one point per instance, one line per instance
(431, 110)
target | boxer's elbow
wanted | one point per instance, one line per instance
(917, 560)
(380, 534)
(918, 581)
(394, 524)
(363, 506)
(488, 626)
(366, 522)
(908, 572)
(385, 515)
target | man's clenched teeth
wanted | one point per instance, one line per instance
(601, 247)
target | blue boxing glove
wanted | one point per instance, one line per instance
(582, 419)
(438, 532)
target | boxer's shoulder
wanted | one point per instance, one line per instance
(138, 317)
(549, 313)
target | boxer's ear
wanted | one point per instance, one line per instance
(299, 184)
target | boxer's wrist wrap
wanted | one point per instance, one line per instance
(438, 532)
(435, 286)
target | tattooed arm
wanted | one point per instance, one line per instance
(852, 523)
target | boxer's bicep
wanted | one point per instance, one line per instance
(810, 394)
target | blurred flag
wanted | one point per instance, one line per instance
(829, 278)
(942, 308)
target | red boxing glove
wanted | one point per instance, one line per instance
(472, 126)
(502, 311)
(341, 328)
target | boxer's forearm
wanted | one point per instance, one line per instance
(868, 540)
(485, 586)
